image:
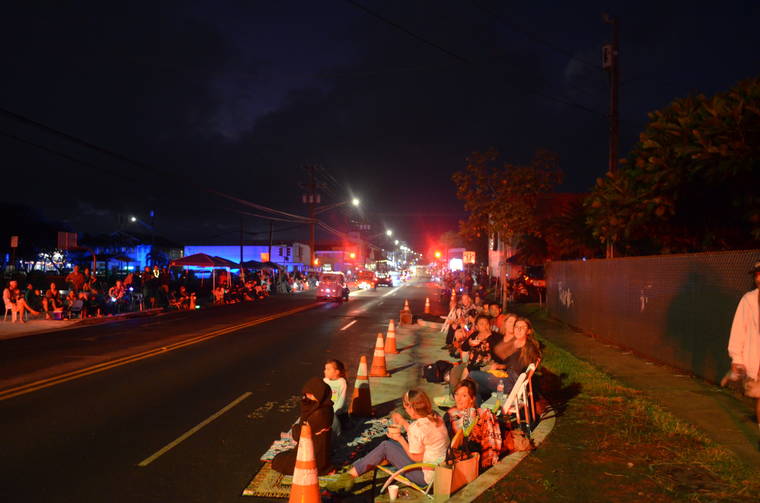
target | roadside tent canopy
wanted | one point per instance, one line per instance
(203, 260)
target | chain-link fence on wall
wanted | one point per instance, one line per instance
(676, 309)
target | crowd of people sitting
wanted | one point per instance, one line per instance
(490, 349)
(83, 294)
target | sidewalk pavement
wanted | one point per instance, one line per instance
(9, 330)
(724, 417)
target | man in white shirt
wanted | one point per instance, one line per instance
(744, 343)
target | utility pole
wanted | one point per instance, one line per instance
(311, 198)
(610, 56)
(242, 270)
(271, 228)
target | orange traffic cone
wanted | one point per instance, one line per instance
(361, 401)
(305, 486)
(427, 305)
(406, 305)
(390, 340)
(378, 360)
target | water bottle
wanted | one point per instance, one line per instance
(500, 392)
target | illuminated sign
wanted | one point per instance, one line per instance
(468, 257)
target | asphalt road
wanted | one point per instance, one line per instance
(84, 440)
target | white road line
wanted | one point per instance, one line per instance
(391, 292)
(191, 431)
(350, 323)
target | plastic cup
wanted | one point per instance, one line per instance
(393, 492)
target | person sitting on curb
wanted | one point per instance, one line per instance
(33, 298)
(335, 377)
(476, 349)
(317, 410)
(509, 360)
(427, 442)
(497, 317)
(479, 428)
(52, 301)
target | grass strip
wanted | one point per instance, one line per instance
(612, 443)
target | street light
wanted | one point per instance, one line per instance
(355, 201)
(133, 219)
(389, 233)
(395, 242)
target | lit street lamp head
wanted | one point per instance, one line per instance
(133, 219)
(389, 233)
(355, 201)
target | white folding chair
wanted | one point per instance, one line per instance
(511, 405)
(9, 309)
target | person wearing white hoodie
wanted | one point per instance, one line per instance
(744, 343)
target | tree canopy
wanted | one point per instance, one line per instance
(501, 197)
(691, 182)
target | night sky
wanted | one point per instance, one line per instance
(239, 95)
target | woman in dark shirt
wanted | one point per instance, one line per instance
(477, 346)
(508, 360)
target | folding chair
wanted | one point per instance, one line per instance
(399, 477)
(511, 405)
(529, 377)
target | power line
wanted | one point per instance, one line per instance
(532, 36)
(462, 59)
(407, 31)
(66, 156)
(123, 158)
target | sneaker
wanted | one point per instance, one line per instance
(342, 483)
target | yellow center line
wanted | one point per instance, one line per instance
(117, 362)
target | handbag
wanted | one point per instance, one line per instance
(452, 475)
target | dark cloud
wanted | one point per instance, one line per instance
(238, 96)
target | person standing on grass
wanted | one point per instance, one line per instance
(744, 344)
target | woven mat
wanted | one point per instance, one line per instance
(268, 483)
(358, 441)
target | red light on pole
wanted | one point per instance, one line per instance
(437, 254)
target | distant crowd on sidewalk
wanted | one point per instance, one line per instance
(84, 294)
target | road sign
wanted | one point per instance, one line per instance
(14, 241)
(67, 240)
(468, 257)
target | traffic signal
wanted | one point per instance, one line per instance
(437, 254)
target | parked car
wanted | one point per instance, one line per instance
(332, 286)
(384, 278)
(366, 280)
